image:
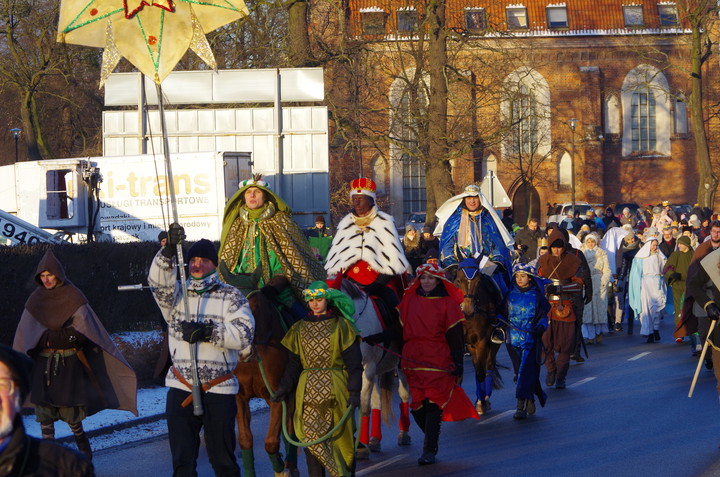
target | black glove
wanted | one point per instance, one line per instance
(552, 289)
(353, 400)
(192, 331)
(713, 311)
(176, 234)
(674, 277)
(376, 338)
(458, 371)
(281, 393)
(270, 291)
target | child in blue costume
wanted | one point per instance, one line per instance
(526, 312)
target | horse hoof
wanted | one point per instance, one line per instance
(374, 444)
(404, 438)
(362, 453)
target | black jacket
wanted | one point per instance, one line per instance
(27, 456)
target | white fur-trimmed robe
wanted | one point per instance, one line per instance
(379, 245)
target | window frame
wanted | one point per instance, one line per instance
(401, 12)
(367, 18)
(664, 24)
(508, 10)
(629, 8)
(557, 8)
(481, 11)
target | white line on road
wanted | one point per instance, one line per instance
(380, 465)
(638, 356)
(495, 418)
(582, 381)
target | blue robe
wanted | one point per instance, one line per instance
(487, 240)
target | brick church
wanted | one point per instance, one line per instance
(540, 93)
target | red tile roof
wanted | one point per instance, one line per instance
(585, 17)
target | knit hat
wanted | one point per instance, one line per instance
(363, 186)
(20, 367)
(162, 235)
(203, 248)
(427, 229)
(320, 218)
(685, 240)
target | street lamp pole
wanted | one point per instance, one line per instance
(16, 135)
(572, 122)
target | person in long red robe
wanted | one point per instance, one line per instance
(433, 354)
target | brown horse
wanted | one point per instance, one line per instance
(480, 307)
(273, 357)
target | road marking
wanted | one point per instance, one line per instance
(638, 356)
(382, 464)
(582, 381)
(495, 418)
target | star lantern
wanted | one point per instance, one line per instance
(153, 35)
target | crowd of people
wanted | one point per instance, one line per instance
(563, 288)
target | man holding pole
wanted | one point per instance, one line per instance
(704, 288)
(219, 325)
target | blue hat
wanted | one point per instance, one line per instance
(524, 268)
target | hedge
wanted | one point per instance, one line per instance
(97, 269)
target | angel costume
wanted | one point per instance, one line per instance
(647, 289)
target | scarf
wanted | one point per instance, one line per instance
(365, 220)
(465, 234)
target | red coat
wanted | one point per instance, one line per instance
(426, 355)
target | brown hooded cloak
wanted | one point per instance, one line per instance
(110, 382)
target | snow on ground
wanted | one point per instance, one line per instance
(151, 409)
(151, 404)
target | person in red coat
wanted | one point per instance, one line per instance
(433, 354)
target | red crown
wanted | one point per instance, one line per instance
(363, 186)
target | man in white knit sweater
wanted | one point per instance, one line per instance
(222, 325)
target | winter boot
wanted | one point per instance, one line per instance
(47, 429)
(530, 407)
(433, 416)
(656, 335)
(521, 413)
(81, 439)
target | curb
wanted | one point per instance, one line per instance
(115, 427)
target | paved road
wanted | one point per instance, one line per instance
(625, 413)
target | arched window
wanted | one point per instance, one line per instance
(525, 114)
(408, 108)
(647, 115)
(564, 171)
(612, 114)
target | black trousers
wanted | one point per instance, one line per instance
(184, 427)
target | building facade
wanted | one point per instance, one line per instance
(534, 88)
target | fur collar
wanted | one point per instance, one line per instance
(377, 243)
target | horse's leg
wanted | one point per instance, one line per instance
(368, 381)
(375, 417)
(272, 438)
(404, 392)
(245, 438)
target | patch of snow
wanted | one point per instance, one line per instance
(150, 401)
